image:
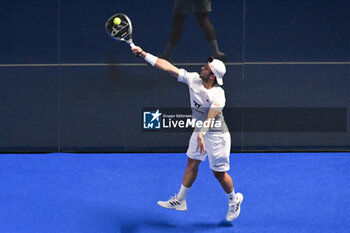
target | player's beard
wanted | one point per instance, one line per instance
(205, 79)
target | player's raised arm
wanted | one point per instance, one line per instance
(156, 62)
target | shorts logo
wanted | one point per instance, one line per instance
(152, 119)
(220, 165)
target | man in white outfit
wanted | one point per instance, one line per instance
(212, 140)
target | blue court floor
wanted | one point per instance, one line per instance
(110, 193)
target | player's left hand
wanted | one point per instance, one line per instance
(200, 143)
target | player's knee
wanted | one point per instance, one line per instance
(219, 175)
(179, 18)
(193, 164)
(202, 18)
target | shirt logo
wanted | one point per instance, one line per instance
(152, 119)
(196, 104)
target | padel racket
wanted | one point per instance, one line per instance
(119, 27)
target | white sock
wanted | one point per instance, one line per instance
(183, 193)
(231, 197)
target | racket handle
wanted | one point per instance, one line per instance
(132, 45)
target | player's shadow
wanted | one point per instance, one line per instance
(188, 227)
(128, 226)
(201, 225)
(120, 220)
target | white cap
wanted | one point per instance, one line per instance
(218, 68)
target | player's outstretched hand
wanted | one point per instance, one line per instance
(200, 143)
(136, 50)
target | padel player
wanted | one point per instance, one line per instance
(207, 103)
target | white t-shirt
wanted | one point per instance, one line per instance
(202, 99)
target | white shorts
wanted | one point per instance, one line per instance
(186, 6)
(217, 148)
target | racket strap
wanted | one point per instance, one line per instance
(139, 53)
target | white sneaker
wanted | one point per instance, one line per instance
(174, 203)
(234, 208)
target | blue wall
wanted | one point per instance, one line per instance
(62, 87)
